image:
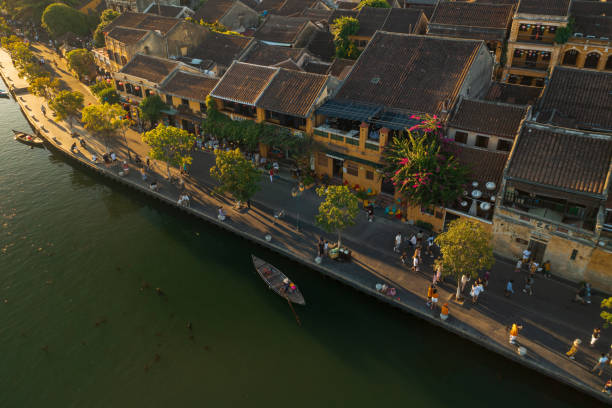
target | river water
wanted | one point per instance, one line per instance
(81, 324)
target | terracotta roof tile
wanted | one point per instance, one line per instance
(213, 10)
(316, 67)
(591, 8)
(321, 45)
(269, 5)
(340, 67)
(294, 8)
(127, 19)
(346, 5)
(264, 54)
(221, 48)
(544, 7)
(292, 92)
(492, 118)
(152, 69)
(127, 35)
(402, 20)
(371, 19)
(144, 21)
(428, 9)
(317, 14)
(484, 165)
(472, 33)
(190, 85)
(289, 64)
(166, 10)
(577, 98)
(473, 14)
(511, 93)
(280, 29)
(598, 26)
(409, 72)
(567, 160)
(244, 83)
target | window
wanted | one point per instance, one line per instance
(504, 145)
(574, 254)
(369, 175)
(482, 141)
(202, 107)
(570, 57)
(184, 102)
(169, 100)
(352, 169)
(461, 137)
(591, 60)
(322, 159)
(123, 60)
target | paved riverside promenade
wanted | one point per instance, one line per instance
(550, 320)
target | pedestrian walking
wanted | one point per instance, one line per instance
(601, 364)
(419, 237)
(430, 292)
(485, 279)
(477, 289)
(519, 265)
(528, 286)
(533, 268)
(526, 256)
(430, 245)
(321, 247)
(546, 268)
(434, 299)
(437, 274)
(464, 281)
(417, 253)
(444, 311)
(271, 175)
(509, 290)
(404, 257)
(607, 387)
(573, 349)
(595, 336)
(398, 242)
(326, 248)
(370, 212)
(413, 240)
(249, 203)
(415, 264)
(43, 110)
(514, 332)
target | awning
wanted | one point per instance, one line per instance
(394, 121)
(348, 110)
(341, 156)
(169, 111)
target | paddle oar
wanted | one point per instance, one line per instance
(297, 319)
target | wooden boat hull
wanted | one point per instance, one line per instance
(274, 278)
(22, 137)
(4, 94)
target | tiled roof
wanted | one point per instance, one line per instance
(316, 67)
(127, 35)
(336, 14)
(499, 119)
(269, 5)
(577, 98)
(484, 165)
(346, 5)
(190, 85)
(294, 7)
(317, 14)
(428, 9)
(152, 69)
(221, 48)
(544, 7)
(370, 20)
(409, 72)
(292, 92)
(591, 8)
(165, 10)
(567, 160)
(263, 54)
(289, 64)
(472, 33)
(213, 10)
(598, 26)
(321, 45)
(340, 67)
(244, 83)
(280, 29)
(402, 20)
(511, 93)
(473, 14)
(144, 21)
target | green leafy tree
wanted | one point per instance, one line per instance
(217, 27)
(339, 209)
(99, 87)
(44, 86)
(5, 30)
(104, 120)
(373, 3)
(20, 54)
(170, 145)
(109, 95)
(106, 18)
(32, 71)
(67, 105)
(235, 174)
(342, 28)
(59, 19)
(31, 9)
(563, 34)
(605, 315)
(422, 168)
(151, 108)
(82, 62)
(466, 249)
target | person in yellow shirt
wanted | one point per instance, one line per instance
(514, 332)
(574, 349)
(430, 292)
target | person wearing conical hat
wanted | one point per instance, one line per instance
(514, 332)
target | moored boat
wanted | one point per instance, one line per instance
(28, 139)
(3, 93)
(278, 281)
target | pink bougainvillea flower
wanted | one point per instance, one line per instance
(404, 161)
(415, 127)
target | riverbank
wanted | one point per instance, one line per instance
(484, 324)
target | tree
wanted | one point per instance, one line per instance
(99, 87)
(30, 9)
(32, 71)
(170, 145)
(104, 120)
(563, 34)
(82, 62)
(466, 249)
(342, 28)
(109, 95)
(423, 168)
(235, 174)
(5, 30)
(44, 86)
(106, 18)
(66, 106)
(607, 316)
(151, 108)
(339, 209)
(373, 3)
(59, 19)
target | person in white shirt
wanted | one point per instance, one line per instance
(526, 255)
(94, 158)
(601, 364)
(413, 240)
(398, 242)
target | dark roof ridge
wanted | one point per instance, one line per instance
(499, 103)
(567, 131)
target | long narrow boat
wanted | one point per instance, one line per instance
(3, 93)
(278, 281)
(28, 139)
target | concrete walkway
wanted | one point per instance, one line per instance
(550, 320)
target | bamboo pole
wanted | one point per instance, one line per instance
(297, 319)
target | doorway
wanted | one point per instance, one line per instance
(337, 166)
(387, 186)
(537, 249)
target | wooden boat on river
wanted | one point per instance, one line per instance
(278, 281)
(3, 93)
(28, 139)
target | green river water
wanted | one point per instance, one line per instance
(82, 326)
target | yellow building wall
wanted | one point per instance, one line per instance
(598, 271)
